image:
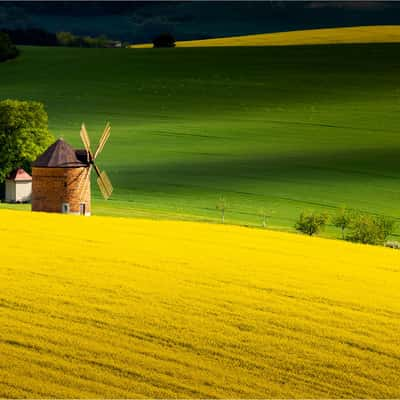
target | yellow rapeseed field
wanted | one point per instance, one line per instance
(113, 307)
(358, 34)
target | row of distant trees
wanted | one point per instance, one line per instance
(355, 225)
(69, 39)
(40, 37)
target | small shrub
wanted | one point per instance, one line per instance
(311, 223)
(393, 244)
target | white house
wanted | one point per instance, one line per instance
(18, 187)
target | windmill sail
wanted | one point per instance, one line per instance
(103, 180)
(106, 183)
(103, 140)
(86, 142)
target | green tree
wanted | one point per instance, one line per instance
(71, 40)
(66, 39)
(386, 226)
(222, 205)
(265, 214)
(370, 229)
(164, 40)
(311, 222)
(363, 229)
(24, 134)
(342, 219)
(7, 48)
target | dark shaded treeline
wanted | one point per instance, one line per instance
(7, 48)
(142, 21)
(32, 36)
(40, 37)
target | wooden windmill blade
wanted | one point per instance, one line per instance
(107, 183)
(86, 141)
(84, 183)
(103, 140)
(103, 182)
(104, 185)
(102, 188)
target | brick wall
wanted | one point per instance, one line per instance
(52, 187)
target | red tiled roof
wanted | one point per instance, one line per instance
(19, 174)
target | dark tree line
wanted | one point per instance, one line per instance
(7, 48)
(40, 37)
(32, 37)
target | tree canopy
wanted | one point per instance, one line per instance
(311, 222)
(24, 134)
(164, 40)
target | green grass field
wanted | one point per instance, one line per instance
(281, 128)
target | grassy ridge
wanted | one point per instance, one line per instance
(100, 307)
(358, 34)
(286, 128)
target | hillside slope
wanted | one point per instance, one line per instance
(357, 34)
(105, 307)
(282, 128)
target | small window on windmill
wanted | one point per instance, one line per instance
(65, 208)
(82, 208)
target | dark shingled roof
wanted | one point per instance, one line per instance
(59, 155)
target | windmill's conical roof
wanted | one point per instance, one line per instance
(59, 155)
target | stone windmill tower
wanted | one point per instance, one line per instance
(61, 177)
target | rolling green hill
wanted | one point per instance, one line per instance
(356, 34)
(281, 128)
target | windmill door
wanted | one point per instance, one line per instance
(82, 209)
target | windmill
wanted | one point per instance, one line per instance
(61, 176)
(102, 178)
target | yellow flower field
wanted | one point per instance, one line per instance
(113, 307)
(354, 34)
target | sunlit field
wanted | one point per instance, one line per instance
(109, 307)
(279, 128)
(358, 34)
